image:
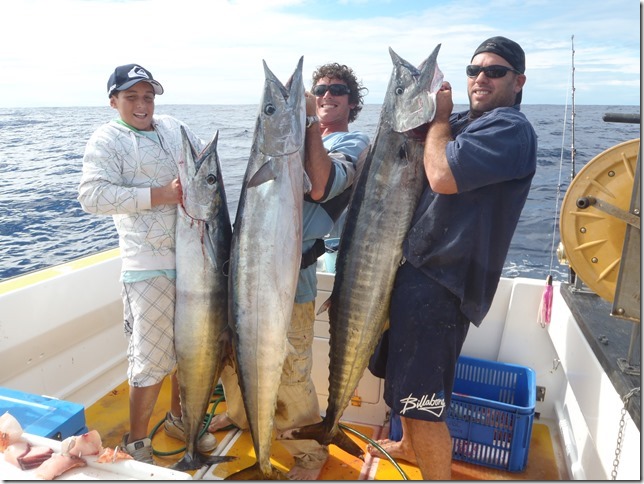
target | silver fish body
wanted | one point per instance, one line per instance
(265, 258)
(203, 237)
(379, 216)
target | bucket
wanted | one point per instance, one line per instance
(330, 254)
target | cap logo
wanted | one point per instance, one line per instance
(137, 71)
(126, 76)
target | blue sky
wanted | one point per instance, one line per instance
(60, 53)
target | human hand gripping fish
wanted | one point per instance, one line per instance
(443, 107)
(383, 202)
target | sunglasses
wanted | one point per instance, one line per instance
(492, 72)
(335, 89)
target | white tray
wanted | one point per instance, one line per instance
(117, 471)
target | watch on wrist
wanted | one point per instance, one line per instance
(311, 120)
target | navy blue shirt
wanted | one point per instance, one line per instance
(461, 240)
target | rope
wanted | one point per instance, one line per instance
(209, 415)
(377, 446)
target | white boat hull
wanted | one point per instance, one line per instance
(61, 335)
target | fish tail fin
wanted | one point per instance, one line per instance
(343, 441)
(255, 473)
(191, 462)
(320, 433)
(317, 431)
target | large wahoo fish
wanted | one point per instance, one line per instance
(265, 258)
(201, 314)
(378, 219)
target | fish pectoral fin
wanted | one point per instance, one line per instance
(265, 174)
(324, 307)
(210, 246)
(308, 186)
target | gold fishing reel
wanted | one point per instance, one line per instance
(594, 215)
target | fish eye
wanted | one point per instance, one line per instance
(269, 109)
(399, 90)
(211, 179)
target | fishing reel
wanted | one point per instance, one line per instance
(599, 226)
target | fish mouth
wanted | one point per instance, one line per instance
(278, 155)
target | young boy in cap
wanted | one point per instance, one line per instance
(130, 171)
(479, 166)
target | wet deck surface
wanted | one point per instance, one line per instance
(110, 417)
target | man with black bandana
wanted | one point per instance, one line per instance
(479, 165)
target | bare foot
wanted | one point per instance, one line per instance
(298, 473)
(399, 450)
(218, 422)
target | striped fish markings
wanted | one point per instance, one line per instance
(379, 216)
(203, 237)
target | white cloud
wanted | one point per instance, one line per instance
(61, 53)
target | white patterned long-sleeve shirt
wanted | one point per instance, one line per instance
(120, 166)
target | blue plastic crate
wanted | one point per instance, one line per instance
(491, 414)
(43, 416)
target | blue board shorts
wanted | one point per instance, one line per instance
(426, 333)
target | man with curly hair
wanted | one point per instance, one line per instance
(332, 156)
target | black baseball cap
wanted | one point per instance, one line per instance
(126, 76)
(509, 50)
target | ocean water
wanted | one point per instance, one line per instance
(41, 152)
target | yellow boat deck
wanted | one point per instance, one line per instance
(109, 416)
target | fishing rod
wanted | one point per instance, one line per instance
(572, 277)
(544, 312)
(573, 151)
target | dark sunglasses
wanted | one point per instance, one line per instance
(335, 89)
(493, 72)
